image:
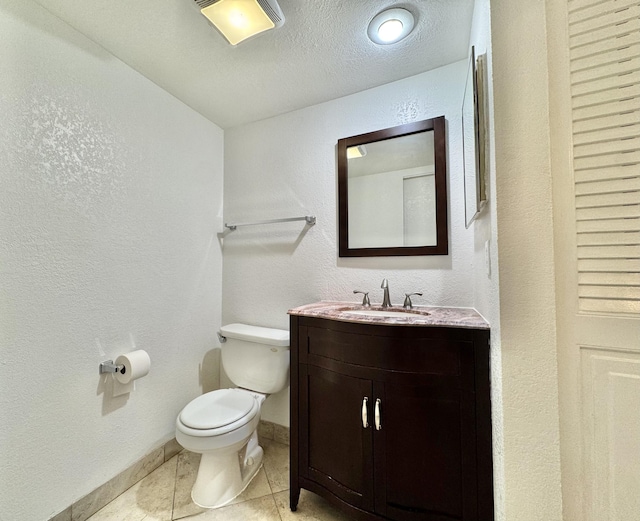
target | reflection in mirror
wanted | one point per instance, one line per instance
(392, 191)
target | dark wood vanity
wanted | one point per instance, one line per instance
(391, 420)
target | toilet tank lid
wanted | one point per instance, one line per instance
(262, 335)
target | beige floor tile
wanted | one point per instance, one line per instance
(311, 507)
(258, 487)
(281, 434)
(185, 478)
(165, 494)
(276, 464)
(91, 503)
(150, 499)
(260, 509)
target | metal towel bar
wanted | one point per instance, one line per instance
(311, 220)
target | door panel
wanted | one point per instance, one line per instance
(425, 450)
(611, 419)
(338, 455)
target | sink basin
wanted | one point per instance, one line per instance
(384, 313)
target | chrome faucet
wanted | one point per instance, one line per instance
(407, 300)
(386, 301)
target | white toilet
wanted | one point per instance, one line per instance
(222, 425)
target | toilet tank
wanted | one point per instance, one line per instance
(256, 358)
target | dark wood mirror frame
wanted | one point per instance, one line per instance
(437, 125)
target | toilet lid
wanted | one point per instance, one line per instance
(217, 409)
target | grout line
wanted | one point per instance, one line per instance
(175, 485)
(276, 505)
(264, 468)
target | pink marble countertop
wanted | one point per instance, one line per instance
(418, 316)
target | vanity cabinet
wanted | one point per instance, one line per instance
(392, 421)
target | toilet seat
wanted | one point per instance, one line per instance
(218, 412)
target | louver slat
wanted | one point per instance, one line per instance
(625, 36)
(617, 251)
(611, 32)
(604, 123)
(599, 70)
(625, 157)
(625, 131)
(625, 171)
(608, 226)
(618, 93)
(609, 265)
(607, 84)
(609, 279)
(607, 109)
(609, 186)
(607, 239)
(583, 9)
(605, 87)
(631, 145)
(615, 55)
(610, 306)
(610, 212)
(582, 27)
(608, 292)
(608, 200)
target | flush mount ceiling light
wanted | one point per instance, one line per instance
(390, 26)
(238, 20)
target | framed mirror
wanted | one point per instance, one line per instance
(473, 139)
(392, 191)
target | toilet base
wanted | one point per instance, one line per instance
(224, 476)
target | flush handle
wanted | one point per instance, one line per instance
(377, 415)
(365, 420)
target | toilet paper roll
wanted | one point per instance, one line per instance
(136, 365)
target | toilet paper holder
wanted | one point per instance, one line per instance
(109, 367)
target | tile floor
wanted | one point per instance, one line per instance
(165, 495)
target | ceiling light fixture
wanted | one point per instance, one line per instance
(238, 20)
(357, 151)
(390, 26)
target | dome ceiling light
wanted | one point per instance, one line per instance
(390, 26)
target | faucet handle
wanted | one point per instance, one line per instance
(407, 300)
(365, 299)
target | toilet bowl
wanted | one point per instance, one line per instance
(222, 425)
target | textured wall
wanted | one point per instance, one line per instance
(286, 166)
(486, 296)
(110, 191)
(532, 481)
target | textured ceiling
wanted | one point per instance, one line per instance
(322, 52)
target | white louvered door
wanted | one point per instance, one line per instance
(604, 40)
(598, 241)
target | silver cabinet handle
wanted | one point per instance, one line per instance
(365, 421)
(377, 415)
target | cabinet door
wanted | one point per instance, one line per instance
(335, 447)
(425, 455)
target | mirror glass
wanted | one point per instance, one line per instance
(392, 191)
(473, 140)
